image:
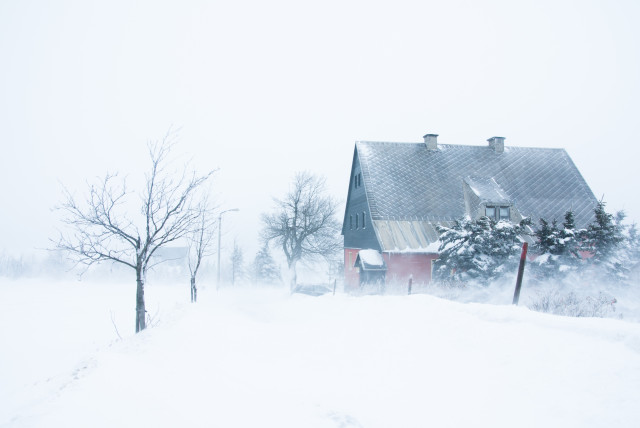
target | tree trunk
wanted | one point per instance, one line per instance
(194, 290)
(293, 276)
(140, 310)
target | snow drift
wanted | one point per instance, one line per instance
(262, 357)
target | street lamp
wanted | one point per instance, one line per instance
(219, 237)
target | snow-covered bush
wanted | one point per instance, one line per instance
(570, 304)
(478, 250)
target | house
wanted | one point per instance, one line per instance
(400, 192)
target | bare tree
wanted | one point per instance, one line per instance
(199, 242)
(103, 229)
(303, 223)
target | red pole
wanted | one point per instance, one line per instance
(523, 258)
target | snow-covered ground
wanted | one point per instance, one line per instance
(250, 357)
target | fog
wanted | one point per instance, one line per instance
(261, 90)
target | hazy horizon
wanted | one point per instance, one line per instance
(261, 91)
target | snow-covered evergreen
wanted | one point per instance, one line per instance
(264, 268)
(479, 250)
(606, 250)
(604, 239)
(557, 248)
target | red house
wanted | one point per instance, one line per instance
(400, 192)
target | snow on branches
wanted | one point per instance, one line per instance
(480, 250)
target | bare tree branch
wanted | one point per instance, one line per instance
(303, 223)
(100, 229)
(200, 240)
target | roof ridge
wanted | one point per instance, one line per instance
(449, 145)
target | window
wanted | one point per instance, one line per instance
(357, 180)
(363, 223)
(490, 212)
(498, 213)
(504, 213)
(357, 220)
(351, 222)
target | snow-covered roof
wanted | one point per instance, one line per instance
(408, 182)
(370, 260)
(487, 190)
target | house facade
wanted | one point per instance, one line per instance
(400, 192)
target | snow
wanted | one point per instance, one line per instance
(542, 258)
(249, 357)
(431, 248)
(371, 257)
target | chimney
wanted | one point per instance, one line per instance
(497, 144)
(431, 140)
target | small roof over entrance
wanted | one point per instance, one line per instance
(370, 260)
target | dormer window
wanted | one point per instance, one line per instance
(497, 213)
(490, 212)
(504, 213)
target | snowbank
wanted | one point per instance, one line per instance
(262, 357)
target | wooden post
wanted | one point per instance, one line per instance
(410, 281)
(334, 287)
(523, 258)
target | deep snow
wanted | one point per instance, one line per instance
(250, 357)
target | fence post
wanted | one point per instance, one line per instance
(523, 258)
(410, 281)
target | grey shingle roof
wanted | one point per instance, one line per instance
(405, 181)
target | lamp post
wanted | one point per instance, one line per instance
(219, 237)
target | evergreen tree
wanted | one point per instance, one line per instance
(237, 261)
(604, 240)
(569, 237)
(632, 247)
(604, 235)
(548, 248)
(264, 268)
(569, 220)
(548, 237)
(557, 249)
(481, 249)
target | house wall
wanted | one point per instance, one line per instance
(402, 266)
(399, 268)
(351, 274)
(356, 234)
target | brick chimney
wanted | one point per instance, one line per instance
(497, 144)
(431, 140)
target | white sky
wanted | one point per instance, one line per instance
(263, 89)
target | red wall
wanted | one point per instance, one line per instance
(399, 267)
(351, 275)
